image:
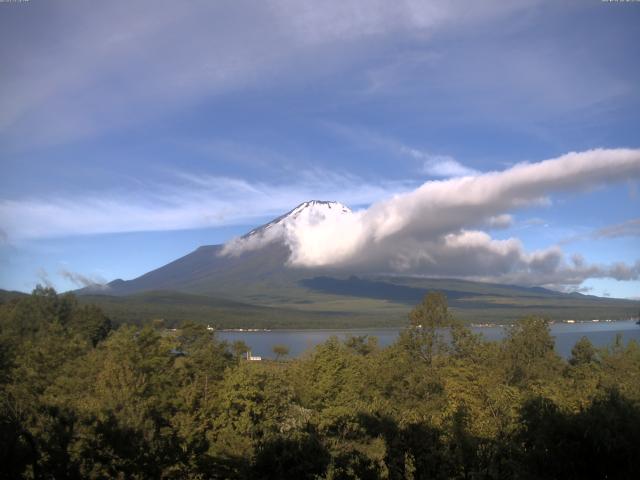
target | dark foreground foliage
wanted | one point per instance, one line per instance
(80, 400)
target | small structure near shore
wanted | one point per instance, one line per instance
(251, 358)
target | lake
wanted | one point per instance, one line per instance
(566, 334)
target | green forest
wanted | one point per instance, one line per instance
(80, 398)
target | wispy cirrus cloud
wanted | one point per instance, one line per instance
(499, 221)
(187, 201)
(429, 163)
(444, 166)
(120, 65)
(630, 228)
(110, 67)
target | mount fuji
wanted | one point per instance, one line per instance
(218, 270)
(251, 281)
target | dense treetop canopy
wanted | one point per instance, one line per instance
(79, 399)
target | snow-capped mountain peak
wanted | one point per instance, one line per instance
(314, 210)
(322, 219)
(319, 206)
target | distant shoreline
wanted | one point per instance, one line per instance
(399, 327)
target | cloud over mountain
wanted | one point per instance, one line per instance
(435, 229)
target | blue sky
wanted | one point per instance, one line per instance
(133, 132)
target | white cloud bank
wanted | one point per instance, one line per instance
(433, 230)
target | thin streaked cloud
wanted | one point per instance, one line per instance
(192, 201)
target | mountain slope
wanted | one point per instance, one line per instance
(250, 274)
(205, 271)
(8, 295)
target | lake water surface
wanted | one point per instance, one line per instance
(566, 335)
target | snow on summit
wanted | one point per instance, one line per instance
(297, 227)
(318, 210)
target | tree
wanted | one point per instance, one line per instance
(465, 344)
(529, 350)
(600, 441)
(239, 348)
(126, 405)
(91, 323)
(254, 403)
(361, 344)
(583, 352)
(425, 337)
(280, 351)
(302, 456)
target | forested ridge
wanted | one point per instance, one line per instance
(82, 399)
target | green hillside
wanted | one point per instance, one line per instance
(175, 307)
(472, 302)
(6, 295)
